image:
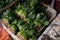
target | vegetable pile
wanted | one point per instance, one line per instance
(26, 19)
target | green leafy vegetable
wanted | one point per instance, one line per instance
(14, 28)
(26, 18)
(22, 13)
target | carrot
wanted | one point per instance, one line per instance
(4, 32)
(2, 37)
(8, 38)
(5, 35)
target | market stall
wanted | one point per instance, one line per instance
(30, 19)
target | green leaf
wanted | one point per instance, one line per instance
(34, 38)
(22, 13)
(33, 3)
(24, 35)
(32, 15)
(38, 17)
(21, 28)
(14, 22)
(14, 27)
(6, 19)
(31, 32)
(20, 32)
(18, 7)
(37, 23)
(46, 23)
(27, 20)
